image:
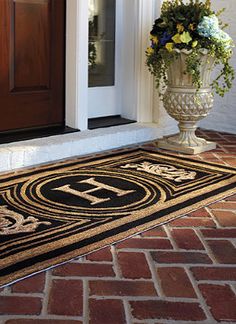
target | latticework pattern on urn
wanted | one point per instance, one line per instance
(184, 106)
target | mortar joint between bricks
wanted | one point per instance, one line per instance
(7, 290)
(233, 241)
(199, 234)
(169, 235)
(207, 248)
(116, 266)
(201, 300)
(153, 269)
(233, 287)
(26, 294)
(49, 317)
(93, 262)
(128, 312)
(213, 217)
(47, 288)
(217, 282)
(85, 302)
(68, 278)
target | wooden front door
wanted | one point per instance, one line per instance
(32, 67)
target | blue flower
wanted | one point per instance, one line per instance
(223, 36)
(165, 38)
(208, 26)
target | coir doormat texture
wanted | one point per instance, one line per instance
(52, 214)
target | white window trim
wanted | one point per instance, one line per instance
(138, 97)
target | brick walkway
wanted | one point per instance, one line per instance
(183, 272)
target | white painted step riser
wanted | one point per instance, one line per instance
(28, 153)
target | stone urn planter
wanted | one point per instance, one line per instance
(188, 105)
(186, 41)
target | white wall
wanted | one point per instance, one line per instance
(223, 115)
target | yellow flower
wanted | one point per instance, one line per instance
(194, 43)
(192, 26)
(180, 28)
(176, 39)
(150, 51)
(154, 39)
(169, 47)
(185, 37)
(208, 4)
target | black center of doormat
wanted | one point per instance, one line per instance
(54, 213)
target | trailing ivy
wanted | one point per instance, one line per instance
(192, 26)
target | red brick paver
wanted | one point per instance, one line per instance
(33, 284)
(99, 314)
(152, 309)
(175, 282)
(182, 272)
(221, 300)
(65, 298)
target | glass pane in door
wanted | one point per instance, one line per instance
(101, 43)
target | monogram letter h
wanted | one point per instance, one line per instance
(97, 186)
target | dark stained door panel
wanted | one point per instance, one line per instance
(32, 63)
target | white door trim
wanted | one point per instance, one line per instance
(144, 80)
(77, 64)
(137, 96)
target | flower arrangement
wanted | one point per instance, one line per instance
(191, 26)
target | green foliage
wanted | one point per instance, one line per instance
(92, 55)
(192, 26)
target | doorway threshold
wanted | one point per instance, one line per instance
(108, 121)
(23, 135)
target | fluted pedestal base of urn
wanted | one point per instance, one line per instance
(186, 141)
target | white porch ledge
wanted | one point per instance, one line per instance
(37, 151)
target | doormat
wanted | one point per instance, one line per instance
(54, 213)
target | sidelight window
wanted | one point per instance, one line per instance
(102, 42)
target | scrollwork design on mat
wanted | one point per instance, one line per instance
(164, 170)
(15, 223)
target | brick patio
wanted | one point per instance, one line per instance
(182, 272)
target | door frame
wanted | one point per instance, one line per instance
(137, 92)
